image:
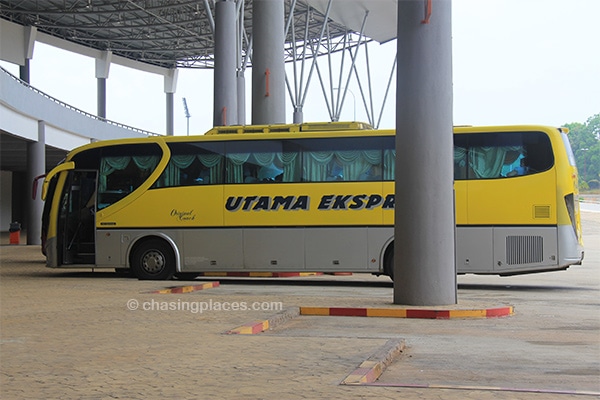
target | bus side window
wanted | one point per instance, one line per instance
(389, 164)
(372, 174)
(250, 173)
(122, 174)
(460, 163)
(270, 173)
(491, 155)
(495, 155)
(460, 157)
(518, 167)
(194, 163)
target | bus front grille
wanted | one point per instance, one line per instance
(524, 249)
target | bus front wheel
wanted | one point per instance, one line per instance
(153, 259)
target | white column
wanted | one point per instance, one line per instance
(102, 70)
(225, 87)
(424, 267)
(170, 84)
(36, 166)
(268, 68)
(30, 35)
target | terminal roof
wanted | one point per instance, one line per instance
(179, 33)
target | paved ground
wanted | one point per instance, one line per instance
(75, 335)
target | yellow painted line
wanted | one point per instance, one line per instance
(425, 313)
(386, 312)
(251, 328)
(314, 310)
(187, 289)
(468, 313)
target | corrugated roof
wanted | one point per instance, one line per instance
(178, 33)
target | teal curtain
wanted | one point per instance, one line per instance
(214, 162)
(291, 166)
(107, 166)
(355, 163)
(351, 165)
(389, 164)
(146, 162)
(460, 163)
(264, 159)
(172, 174)
(235, 167)
(487, 162)
(315, 164)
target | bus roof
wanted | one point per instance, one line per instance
(305, 130)
(291, 128)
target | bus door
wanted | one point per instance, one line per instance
(77, 219)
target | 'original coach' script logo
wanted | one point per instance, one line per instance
(183, 215)
(327, 202)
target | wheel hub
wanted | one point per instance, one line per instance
(153, 261)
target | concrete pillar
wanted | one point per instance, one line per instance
(225, 88)
(170, 85)
(101, 97)
(424, 267)
(36, 166)
(170, 124)
(24, 71)
(241, 98)
(268, 68)
(30, 33)
(102, 70)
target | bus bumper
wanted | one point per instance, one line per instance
(51, 253)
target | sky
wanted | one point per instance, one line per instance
(514, 62)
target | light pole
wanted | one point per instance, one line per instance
(187, 115)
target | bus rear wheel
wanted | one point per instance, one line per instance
(153, 259)
(388, 261)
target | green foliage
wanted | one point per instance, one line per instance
(585, 141)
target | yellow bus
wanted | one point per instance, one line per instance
(307, 197)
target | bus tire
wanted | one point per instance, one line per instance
(388, 261)
(153, 259)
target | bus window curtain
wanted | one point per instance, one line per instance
(315, 164)
(357, 162)
(108, 165)
(389, 164)
(264, 159)
(235, 167)
(146, 163)
(214, 162)
(319, 166)
(172, 174)
(291, 166)
(269, 167)
(486, 162)
(460, 163)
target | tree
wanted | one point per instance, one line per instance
(585, 141)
